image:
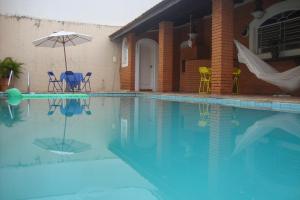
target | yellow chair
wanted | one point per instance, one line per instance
(204, 110)
(205, 79)
(236, 76)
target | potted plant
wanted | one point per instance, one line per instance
(6, 66)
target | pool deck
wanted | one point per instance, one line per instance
(259, 98)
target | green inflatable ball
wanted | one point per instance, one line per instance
(14, 96)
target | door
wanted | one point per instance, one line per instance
(146, 66)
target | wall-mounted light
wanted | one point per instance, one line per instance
(258, 12)
(245, 32)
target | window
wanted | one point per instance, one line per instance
(277, 32)
(124, 53)
(280, 32)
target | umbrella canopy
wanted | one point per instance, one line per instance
(62, 145)
(62, 39)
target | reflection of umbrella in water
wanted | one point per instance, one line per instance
(64, 146)
(284, 121)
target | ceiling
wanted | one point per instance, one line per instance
(177, 11)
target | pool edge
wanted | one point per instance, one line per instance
(242, 102)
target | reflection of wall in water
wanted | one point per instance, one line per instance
(164, 156)
(97, 129)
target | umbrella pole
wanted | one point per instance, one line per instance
(65, 127)
(66, 65)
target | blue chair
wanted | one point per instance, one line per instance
(86, 82)
(56, 84)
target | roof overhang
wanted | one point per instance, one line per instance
(162, 11)
(177, 11)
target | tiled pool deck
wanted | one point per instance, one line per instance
(278, 103)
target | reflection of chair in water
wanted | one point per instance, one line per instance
(234, 118)
(70, 107)
(288, 122)
(53, 105)
(204, 111)
(86, 106)
(204, 114)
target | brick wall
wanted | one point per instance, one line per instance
(165, 66)
(249, 84)
(176, 58)
(150, 35)
(204, 38)
(125, 78)
(190, 79)
(127, 74)
(199, 50)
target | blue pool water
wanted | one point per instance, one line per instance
(146, 149)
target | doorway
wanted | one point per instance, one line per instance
(146, 62)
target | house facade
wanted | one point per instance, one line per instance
(163, 48)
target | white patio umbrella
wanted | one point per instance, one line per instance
(62, 39)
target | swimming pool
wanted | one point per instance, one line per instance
(146, 148)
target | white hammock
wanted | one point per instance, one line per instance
(288, 80)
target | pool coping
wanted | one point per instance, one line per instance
(250, 102)
(291, 104)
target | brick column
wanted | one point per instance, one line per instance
(131, 39)
(222, 46)
(165, 67)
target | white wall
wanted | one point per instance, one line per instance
(17, 34)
